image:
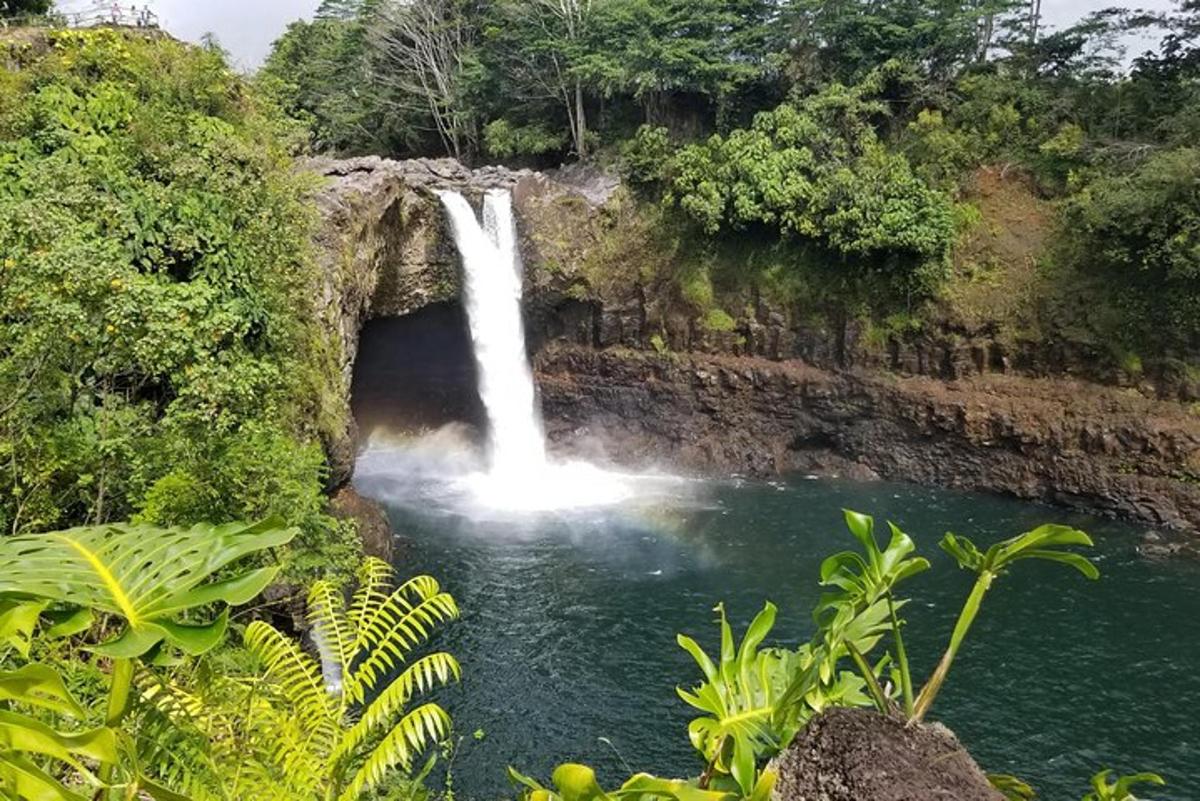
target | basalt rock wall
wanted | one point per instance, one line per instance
(625, 370)
(1051, 440)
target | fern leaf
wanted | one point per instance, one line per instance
(374, 577)
(421, 676)
(327, 614)
(389, 646)
(424, 726)
(297, 677)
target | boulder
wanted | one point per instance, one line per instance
(859, 755)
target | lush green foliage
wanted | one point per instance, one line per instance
(817, 171)
(846, 189)
(151, 581)
(1140, 231)
(19, 8)
(756, 699)
(157, 353)
(337, 728)
(1121, 788)
(740, 698)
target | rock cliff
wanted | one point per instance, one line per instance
(621, 364)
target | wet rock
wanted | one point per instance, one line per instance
(1079, 445)
(858, 755)
(1159, 545)
(374, 529)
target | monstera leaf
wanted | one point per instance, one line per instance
(739, 696)
(144, 574)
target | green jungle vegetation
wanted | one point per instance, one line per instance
(160, 376)
(829, 153)
(157, 357)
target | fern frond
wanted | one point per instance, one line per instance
(374, 577)
(297, 677)
(425, 674)
(424, 726)
(327, 614)
(403, 599)
(398, 632)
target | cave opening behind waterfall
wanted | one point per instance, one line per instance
(415, 373)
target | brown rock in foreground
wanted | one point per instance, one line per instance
(858, 755)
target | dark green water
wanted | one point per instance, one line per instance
(568, 632)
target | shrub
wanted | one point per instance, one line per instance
(1139, 233)
(157, 355)
(818, 174)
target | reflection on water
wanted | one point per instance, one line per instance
(568, 634)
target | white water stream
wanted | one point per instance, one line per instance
(519, 476)
(492, 294)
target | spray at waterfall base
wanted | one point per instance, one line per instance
(515, 475)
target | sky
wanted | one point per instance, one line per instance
(246, 28)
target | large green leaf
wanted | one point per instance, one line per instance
(22, 779)
(144, 574)
(740, 698)
(40, 686)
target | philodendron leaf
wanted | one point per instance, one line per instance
(67, 622)
(27, 735)
(39, 686)
(144, 574)
(18, 619)
(28, 781)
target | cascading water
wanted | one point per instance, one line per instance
(520, 477)
(492, 292)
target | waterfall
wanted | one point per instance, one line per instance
(519, 479)
(492, 275)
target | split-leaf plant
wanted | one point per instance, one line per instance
(1121, 788)
(157, 589)
(573, 782)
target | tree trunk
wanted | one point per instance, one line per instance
(580, 121)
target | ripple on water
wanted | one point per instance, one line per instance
(570, 617)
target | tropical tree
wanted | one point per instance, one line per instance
(21, 8)
(421, 51)
(537, 48)
(341, 723)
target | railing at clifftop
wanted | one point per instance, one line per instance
(95, 18)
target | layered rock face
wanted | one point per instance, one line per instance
(625, 372)
(1060, 441)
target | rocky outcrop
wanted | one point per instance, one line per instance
(625, 368)
(384, 249)
(858, 755)
(1052, 440)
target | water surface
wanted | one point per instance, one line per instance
(568, 633)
